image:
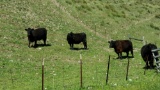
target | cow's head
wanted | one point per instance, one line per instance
(71, 34)
(111, 44)
(152, 47)
(29, 31)
(68, 37)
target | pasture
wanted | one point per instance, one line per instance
(101, 20)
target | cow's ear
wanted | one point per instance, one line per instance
(109, 41)
(26, 29)
(71, 33)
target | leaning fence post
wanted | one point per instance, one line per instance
(81, 70)
(108, 70)
(43, 74)
(127, 70)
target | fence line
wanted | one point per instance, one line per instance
(92, 76)
(142, 40)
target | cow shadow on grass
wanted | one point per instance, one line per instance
(78, 49)
(124, 57)
(41, 45)
(145, 67)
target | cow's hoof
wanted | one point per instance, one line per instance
(71, 48)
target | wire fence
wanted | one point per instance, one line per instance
(59, 77)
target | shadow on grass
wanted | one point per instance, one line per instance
(124, 57)
(78, 49)
(41, 45)
(145, 67)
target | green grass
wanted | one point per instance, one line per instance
(101, 20)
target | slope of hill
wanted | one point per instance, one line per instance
(124, 14)
(101, 20)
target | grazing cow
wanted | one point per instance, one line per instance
(76, 38)
(147, 56)
(36, 34)
(121, 46)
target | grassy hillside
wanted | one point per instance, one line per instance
(126, 15)
(101, 20)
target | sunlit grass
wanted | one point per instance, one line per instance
(20, 66)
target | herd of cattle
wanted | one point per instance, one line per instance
(76, 38)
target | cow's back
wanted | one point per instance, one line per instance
(146, 50)
(127, 45)
(79, 37)
(123, 45)
(39, 33)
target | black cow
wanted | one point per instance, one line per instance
(36, 34)
(121, 46)
(76, 38)
(147, 56)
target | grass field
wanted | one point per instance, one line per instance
(101, 20)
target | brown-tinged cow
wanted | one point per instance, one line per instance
(121, 46)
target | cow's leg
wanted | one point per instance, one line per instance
(85, 45)
(29, 44)
(71, 46)
(127, 54)
(35, 43)
(147, 61)
(132, 53)
(147, 66)
(44, 40)
(120, 55)
(151, 63)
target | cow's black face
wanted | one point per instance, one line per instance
(152, 46)
(29, 31)
(111, 44)
(69, 36)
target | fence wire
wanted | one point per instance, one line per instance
(59, 77)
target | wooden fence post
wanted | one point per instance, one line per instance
(127, 70)
(81, 71)
(108, 70)
(43, 74)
